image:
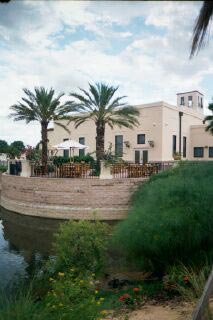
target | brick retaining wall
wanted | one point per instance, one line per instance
(68, 198)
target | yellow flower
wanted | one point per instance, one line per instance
(96, 291)
(104, 312)
(98, 303)
(61, 274)
(51, 279)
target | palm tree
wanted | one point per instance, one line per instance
(209, 119)
(98, 104)
(41, 106)
(201, 26)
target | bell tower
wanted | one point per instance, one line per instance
(192, 100)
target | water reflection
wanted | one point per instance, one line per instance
(24, 243)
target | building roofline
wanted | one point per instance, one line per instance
(189, 92)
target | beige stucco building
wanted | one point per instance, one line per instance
(163, 131)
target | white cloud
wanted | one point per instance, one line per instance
(153, 65)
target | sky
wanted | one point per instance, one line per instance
(142, 47)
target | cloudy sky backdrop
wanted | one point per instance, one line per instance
(141, 46)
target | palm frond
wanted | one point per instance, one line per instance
(62, 126)
(201, 27)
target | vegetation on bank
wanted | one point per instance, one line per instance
(171, 219)
(167, 235)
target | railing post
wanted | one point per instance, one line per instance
(204, 300)
(26, 168)
(105, 171)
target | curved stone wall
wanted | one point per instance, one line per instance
(68, 198)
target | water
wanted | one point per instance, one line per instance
(25, 242)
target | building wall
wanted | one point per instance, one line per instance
(170, 127)
(200, 138)
(68, 198)
(158, 121)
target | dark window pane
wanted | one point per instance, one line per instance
(210, 152)
(141, 139)
(198, 152)
(184, 147)
(66, 152)
(82, 151)
(182, 101)
(119, 145)
(174, 144)
(137, 156)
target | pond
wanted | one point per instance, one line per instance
(25, 242)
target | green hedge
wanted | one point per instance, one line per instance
(171, 220)
(3, 169)
(60, 160)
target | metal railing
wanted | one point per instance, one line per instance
(120, 171)
(67, 170)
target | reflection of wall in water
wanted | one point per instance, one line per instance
(30, 236)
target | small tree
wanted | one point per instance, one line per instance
(42, 106)
(99, 105)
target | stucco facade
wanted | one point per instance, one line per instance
(163, 130)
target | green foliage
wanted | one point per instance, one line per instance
(19, 306)
(32, 153)
(82, 245)
(3, 146)
(189, 282)
(3, 169)
(171, 219)
(72, 297)
(58, 160)
(19, 145)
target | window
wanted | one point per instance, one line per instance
(182, 101)
(141, 139)
(184, 147)
(201, 102)
(190, 101)
(66, 152)
(174, 144)
(198, 152)
(119, 145)
(210, 152)
(81, 151)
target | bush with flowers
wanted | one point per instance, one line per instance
(132, 299)
(82, 245)
(73, 296)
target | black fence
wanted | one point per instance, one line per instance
(120, 171)
(66, 170)
(15, 168)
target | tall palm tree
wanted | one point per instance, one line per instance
(201, 26)
(209, 119)
(98, 104)
(44, 107)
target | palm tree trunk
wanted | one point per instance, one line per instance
(44, 125)
(100, 133)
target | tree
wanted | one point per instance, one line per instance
(19, 145)
(3, 146)
(44, 107)
(98, 105)
(201, 26)
(209, 118)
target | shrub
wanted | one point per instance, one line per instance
(58, 160)
(189, 282)
(171, 219)
(82, 245)
(72, 297)
(3, 169)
